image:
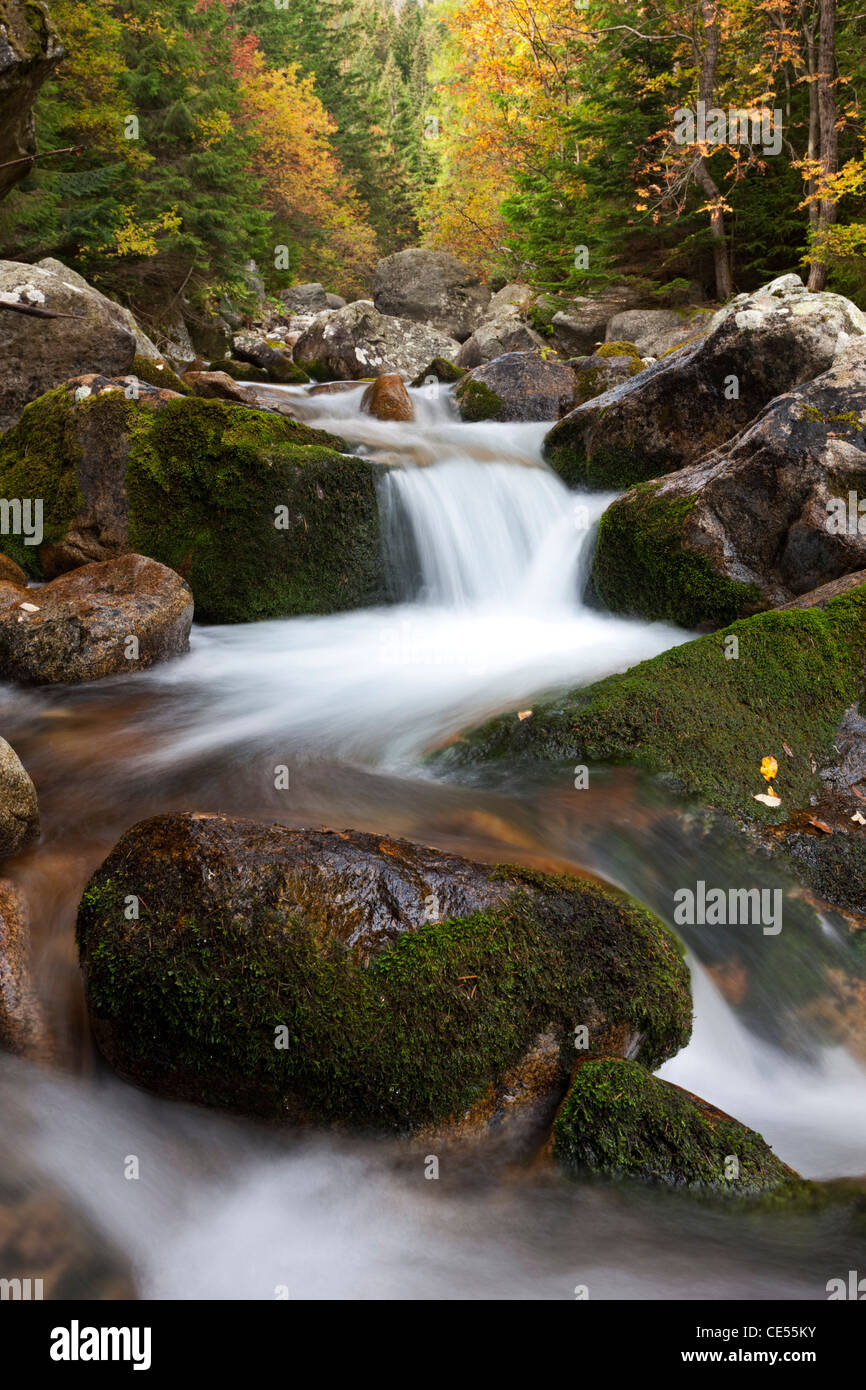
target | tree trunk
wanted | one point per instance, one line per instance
(705, 180)
(827, 209)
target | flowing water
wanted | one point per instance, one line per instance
(488, 555)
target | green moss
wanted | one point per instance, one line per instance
(619, 1120)
(477, 401)
(619, 348)
(190, 1003)
(205, 481)
(640, 567)
(38, 458)
(704, 719)
(158, 375)
(442, 369)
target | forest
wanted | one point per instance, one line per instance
(539, 140)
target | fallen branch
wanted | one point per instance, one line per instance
(46, 154)
(36, 312)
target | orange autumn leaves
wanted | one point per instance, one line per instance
(305, 187)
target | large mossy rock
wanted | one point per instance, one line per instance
(260, 514)
(693, 401)
(620, 1121)
(753, 525)
(518, 386)
(349, 978)
(706, 716)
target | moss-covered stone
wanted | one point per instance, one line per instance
(619, 348)
(391, 1020)
(704, 719)
(259, 513)
(442, 370)
(620, 1121)
(158, 374)
(641, 569)
(477, 402)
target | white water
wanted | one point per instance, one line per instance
(228, 1211)
(504, 549)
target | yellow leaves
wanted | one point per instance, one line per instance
(139, 239)
(769, 768)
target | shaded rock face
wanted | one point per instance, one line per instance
(685, 405)
(269, 357)
(430, 287)
(260, 514)
(769, 512)
(646, 328)
(359, 341)
(22, 1027)
(19, 810)
(144, 345)
(503, 332)
(518, 386)
(29, 52)
(307, 299)
(387, 399)
(621, 1121)
(38, 353)
(84, 623)
(578, 328)
(353, 978)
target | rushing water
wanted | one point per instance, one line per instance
(488, 552)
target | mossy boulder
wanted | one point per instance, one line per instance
(620, 1121)
(442, 370)
(158, 374)
(706, 713)
(603, 371)
(516, 386)
(761, 520)
(343, 977)
(681, 407)
(260, 514)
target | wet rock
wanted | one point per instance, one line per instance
(23, 1029)
(10, 573)
(352, 978)
(218, 386)
(359, 341)
(760, 520)
(621, 1121)
(504, 332)
(387, 399)
(517, 386)
(30, 49)
(259, 513)
(430, 287)
(693, 401)
(36, 353)
(104, 619)
(19, 810)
